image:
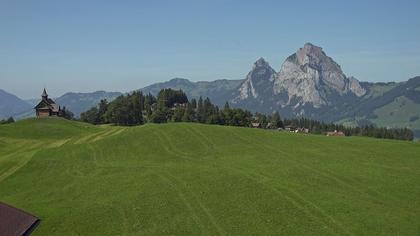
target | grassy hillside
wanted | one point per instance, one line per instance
(399, 113)
(199, 179)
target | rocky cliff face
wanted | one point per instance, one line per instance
(258, 82)
(309, 76)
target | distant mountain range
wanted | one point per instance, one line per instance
(11, 105)
(311, 84)
(308, 84)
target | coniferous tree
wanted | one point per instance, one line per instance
(200, 110)
(90, 116)
(226, 107)
(276, 121)
(102, 108)
(193, 104)
(178, 114)
(188, 115)
(67, 114)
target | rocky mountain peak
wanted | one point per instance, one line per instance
(310, 76)
(260, 63)
(309, 51)
(258, 81)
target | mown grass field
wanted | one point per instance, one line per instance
(185, 179)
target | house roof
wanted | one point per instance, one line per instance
(335, 133)
(48, 103)
(14, 221)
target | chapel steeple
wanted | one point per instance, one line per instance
(44, 95)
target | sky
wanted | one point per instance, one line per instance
(85, 46)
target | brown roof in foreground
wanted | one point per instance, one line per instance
(16, 222)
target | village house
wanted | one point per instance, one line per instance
(47, 107)
(180, 105)
(336, 133)
(294, 129)
(303, 130)
(290, 128)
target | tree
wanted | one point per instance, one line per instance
(149, 103)
(135, 106)
(193, 104)
(67, 114)
(227, 107)
(169, 97)
(118, 111)
(178, 114)
(189, 114)
(208, 110)
(200, 110)
(102, 108)
(276, 121)
(10, 120)
(90, 116)
(159, 116)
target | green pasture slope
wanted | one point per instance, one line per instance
(185, 179)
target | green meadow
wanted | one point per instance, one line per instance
(189, 179)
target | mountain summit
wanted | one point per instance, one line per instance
(258, 81)
(310, 76)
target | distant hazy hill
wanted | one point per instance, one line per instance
(11, 105)
(80, 102)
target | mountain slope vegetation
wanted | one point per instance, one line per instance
(184, 178)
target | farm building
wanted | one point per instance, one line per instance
(256, 125)
(16, 222)
(290, 128)
(47, 107)
(335, 133)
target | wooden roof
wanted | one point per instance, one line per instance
(44, 93)
(14, 221)
(48, 103)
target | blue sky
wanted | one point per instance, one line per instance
(124, 45)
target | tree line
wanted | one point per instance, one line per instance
(7, 121)
(369, 130)
(171, 105)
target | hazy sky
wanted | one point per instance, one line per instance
(124, 45)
